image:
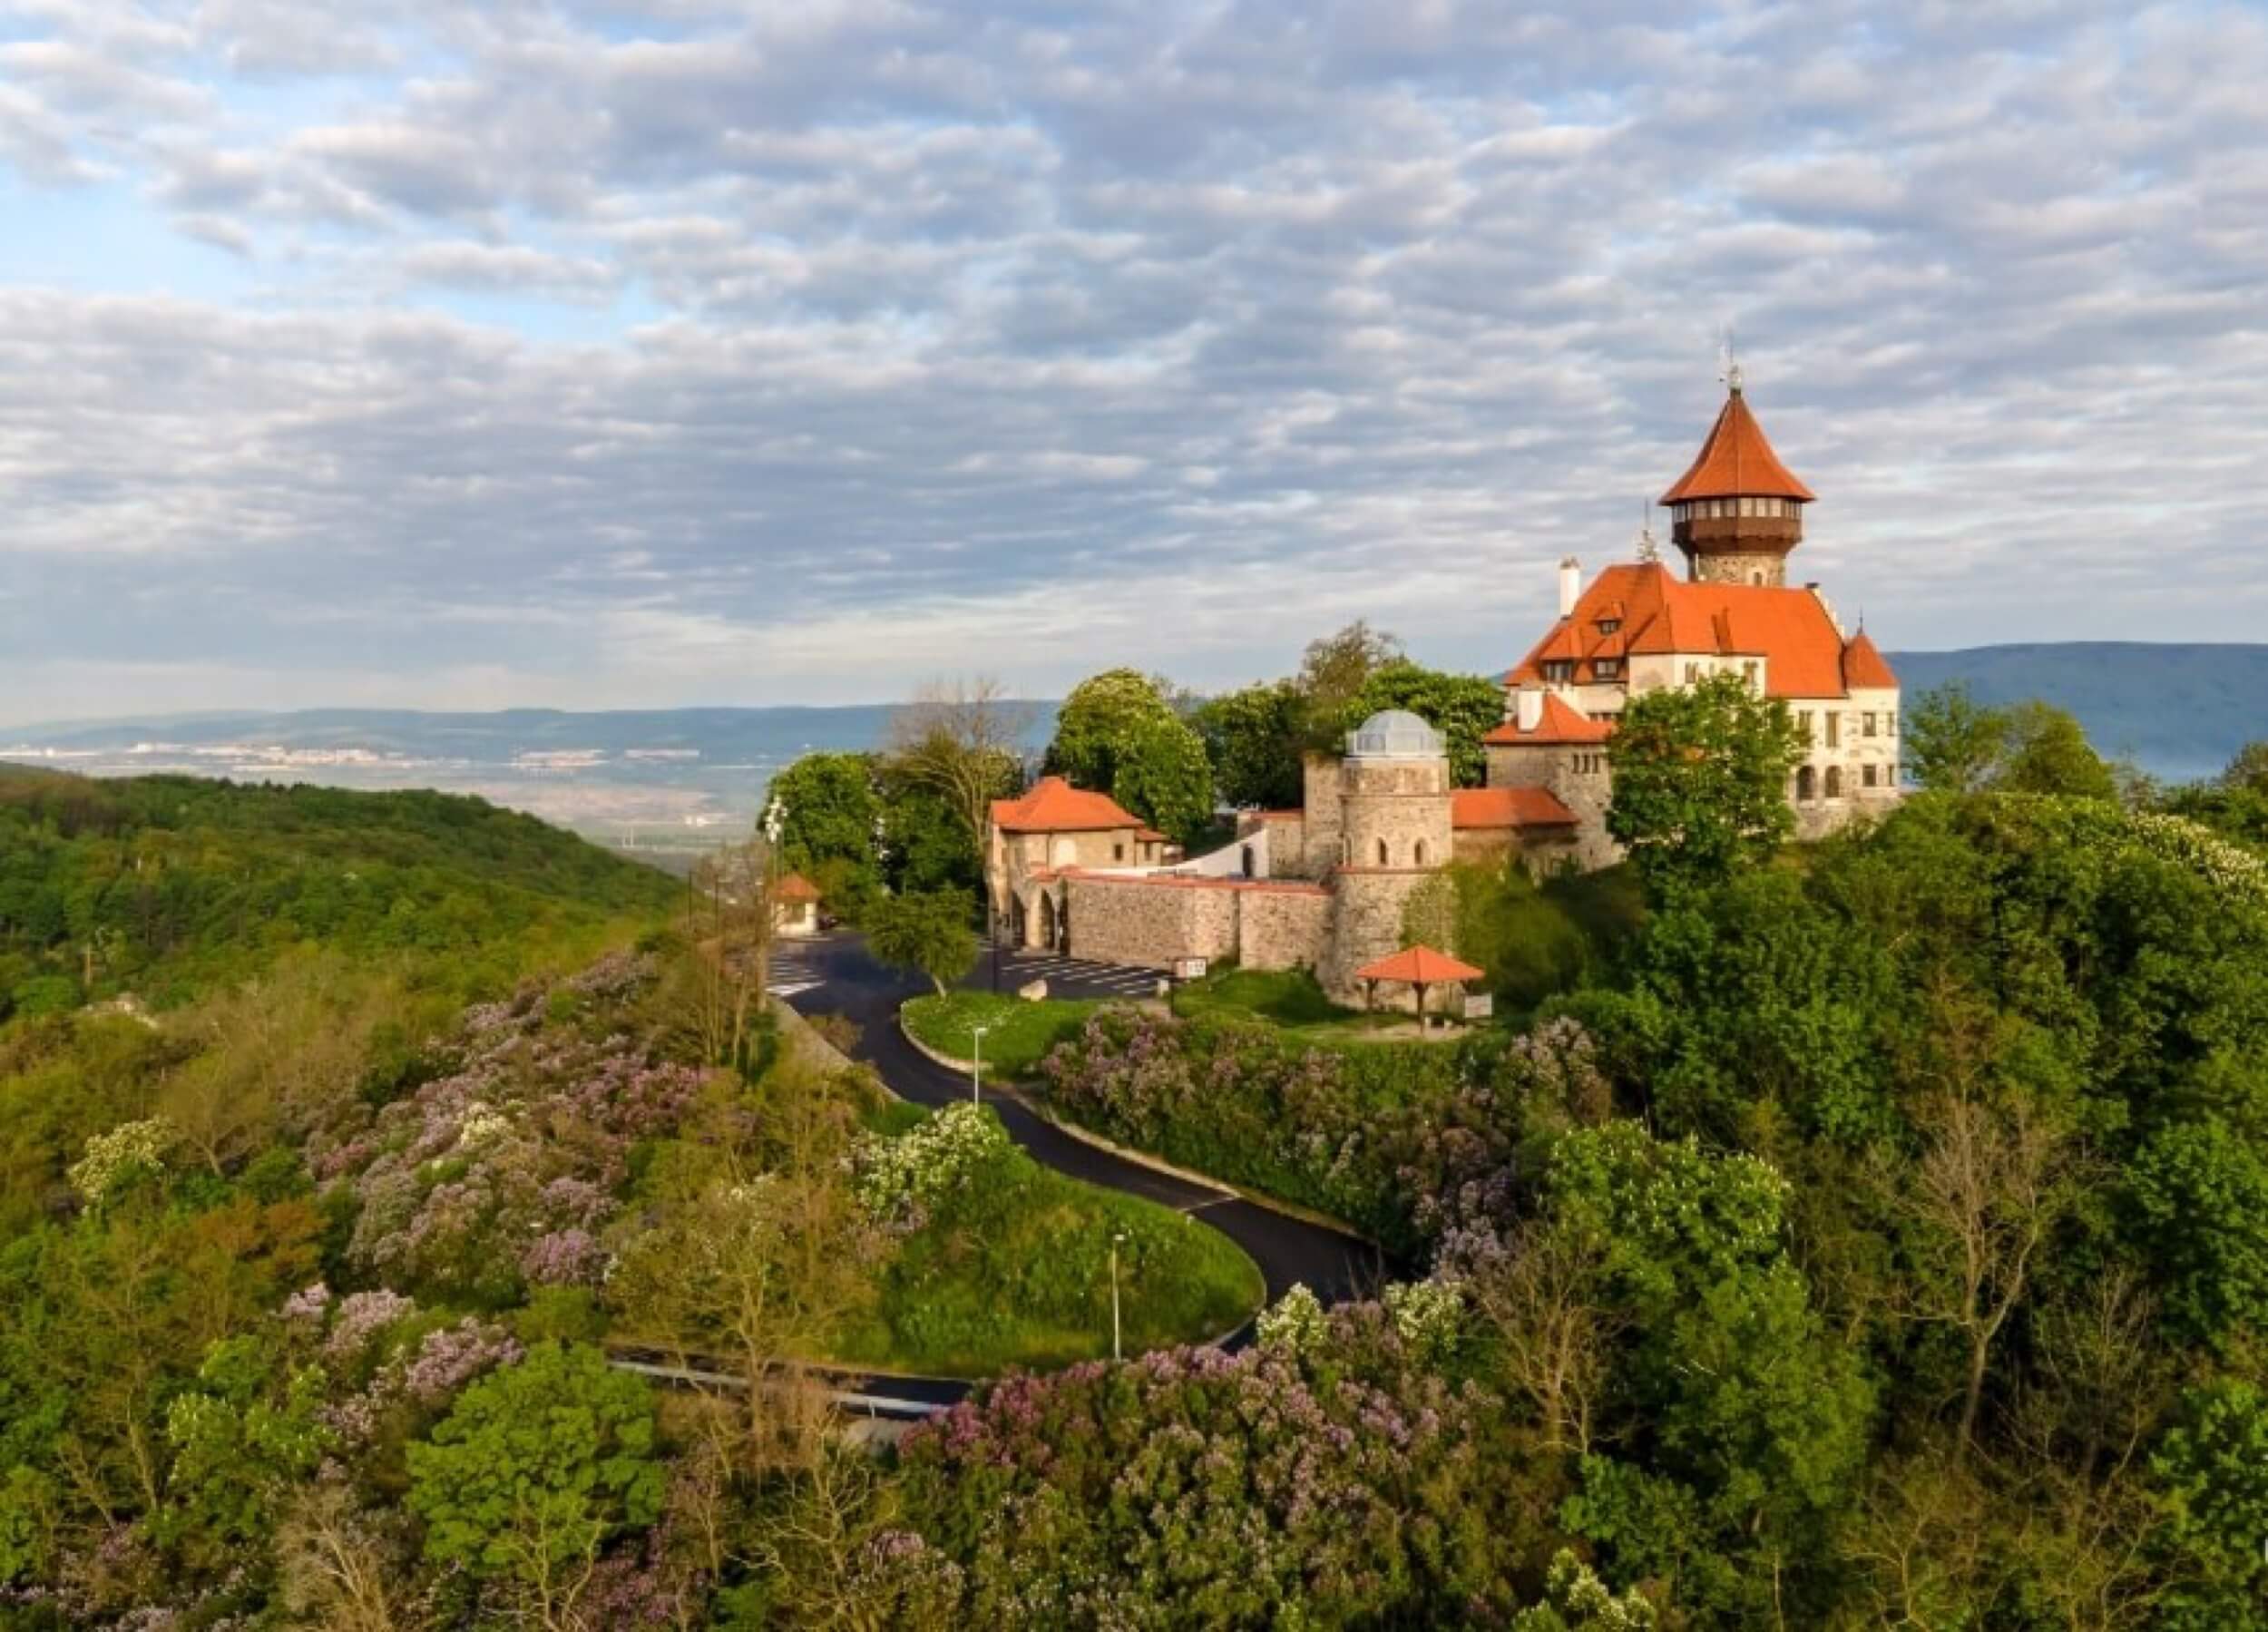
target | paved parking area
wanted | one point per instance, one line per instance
(1066, 977)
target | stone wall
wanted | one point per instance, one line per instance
(1151, 923)
(1367, 926)
(1319, 849)
(1396, 813)
(1282, 928)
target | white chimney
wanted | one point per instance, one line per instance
(1570, 584)
(1826, 606)
(1531, 713)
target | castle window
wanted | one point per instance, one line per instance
(1834, 782)
(1804, 724)
(1418, 855)
(1866, 776)
(1892, 727)
(1606, 668)
(1382, 853)
(1118, 853)
(1607, 626)
(1834, 729)
(1559, 674)
(1806, 784)
(1866, 724)
(1748, 673)
(1692, 673)
(1756, 578)
(1247, 859)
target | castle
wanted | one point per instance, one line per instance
(1326, 886)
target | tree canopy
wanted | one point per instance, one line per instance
(1700, 781)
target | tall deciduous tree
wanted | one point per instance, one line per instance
(927, 933)
(1463, 707)
(828, 807)
(964, 740)
(1119, 733)
(1953, 742)
(1700, 782)
(534, 1469)
(1332, 671)
(2049, 753)
(1253, 738)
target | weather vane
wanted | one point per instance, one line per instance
(1728, 358)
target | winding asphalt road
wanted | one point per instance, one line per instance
(1288, 1250)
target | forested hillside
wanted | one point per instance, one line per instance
(164, 887)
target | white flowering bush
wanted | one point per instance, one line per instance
(1293, 1324)
(113, 1158)
(1576, 1600)
(1429, 1316)
(2226, 866)
(906, 1178)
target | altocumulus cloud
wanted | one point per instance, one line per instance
(544, 352)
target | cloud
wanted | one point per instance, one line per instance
(706, 351)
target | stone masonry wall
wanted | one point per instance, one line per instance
(1131, 921)
(1282, 929)
(1366, 927)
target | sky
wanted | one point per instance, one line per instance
(427, 353)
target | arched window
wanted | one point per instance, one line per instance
(1807, 787)
(1834, 782)
(1420, 855)
(1382, 853)
(1247, 861)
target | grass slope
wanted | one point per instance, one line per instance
(1017, 1033)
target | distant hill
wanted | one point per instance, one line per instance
(2179, 712)
(169, 887)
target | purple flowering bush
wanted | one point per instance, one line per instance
(1396, 1139)
(501, 1170)
(1196, 1488)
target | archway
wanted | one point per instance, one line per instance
(1807, 785)
(1834, 782)
(1246, 859)
(1051, 928)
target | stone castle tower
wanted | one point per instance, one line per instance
(1737, 512)
(1395, 832)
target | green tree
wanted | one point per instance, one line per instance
(930, 934)
(926, 847)
(1333, 672)
(1700, 782)
(2212, 1474)
(830, 807)
(2248, 769)
(2047, 753)
(1953, 743)
(1463, 707)
(1119, 733)
(1253, 740)
(533, 1471)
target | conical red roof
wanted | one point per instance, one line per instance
(1736, 462)
(1863, 666)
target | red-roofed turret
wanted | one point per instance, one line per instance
(1737, 511)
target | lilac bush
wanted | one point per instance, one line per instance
(1193, 1487)
(1401, 1141)
(503, 1166)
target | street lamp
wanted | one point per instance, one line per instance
(976, 1066)
(1118, 1238)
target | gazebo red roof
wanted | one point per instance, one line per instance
(794, 886)
(1419, 966)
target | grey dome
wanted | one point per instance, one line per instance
(1394, 734)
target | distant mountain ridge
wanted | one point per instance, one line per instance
(2178, 712)
(636, 775)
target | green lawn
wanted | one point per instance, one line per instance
(1020, 1275)
(1018, 1034)
(1290, 999)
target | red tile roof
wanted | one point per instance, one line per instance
(1054, 805)
(1561, 723)
(794, 886)
(1659, 613)
(1508, 807)
(1420, 966)
(1150, 836)
(1736, 461)
(1863, 666)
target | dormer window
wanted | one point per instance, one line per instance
(1606, 668)
(1559, 673)
(1607, 626)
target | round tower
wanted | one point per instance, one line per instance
(1393, 834)
(1737, 512)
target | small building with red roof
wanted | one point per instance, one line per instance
(1050, 829)
(795, 906)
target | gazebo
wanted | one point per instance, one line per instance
(1417, 967)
